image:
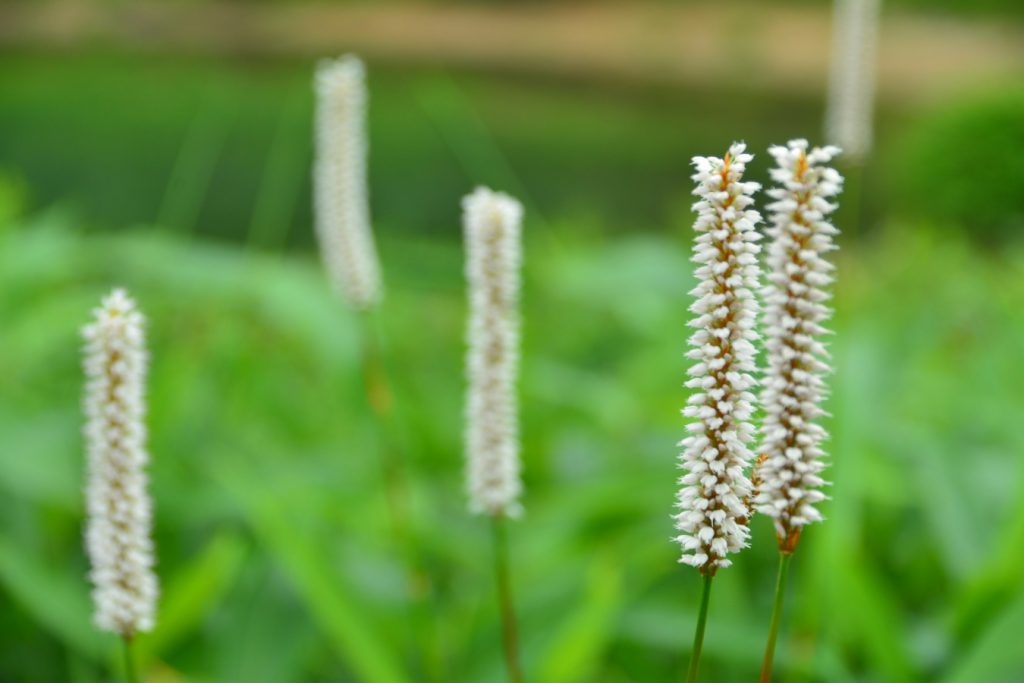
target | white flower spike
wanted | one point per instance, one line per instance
(851, 92)
(340, 203)
(713, 512)
(119, 508)
(493, 254)
(794, 386)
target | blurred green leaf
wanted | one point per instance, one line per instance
(190, 179)
(467, 135)
(281, 184)
(265, 646)
(192, 593)
(574, 653)
(996, 655)
(999, 580)
(53, 473)
(320, 588)
(57, 599)
(872, 618)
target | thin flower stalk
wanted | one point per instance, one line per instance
(492, 225)
(119, 509)
(712, 510)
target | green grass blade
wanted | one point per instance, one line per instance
(193, 169)
(287, 164)
(56, 598)
(192, 593)
(321, 590)
(574, 653)
(996, 655)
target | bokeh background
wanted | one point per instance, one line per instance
(166, 147)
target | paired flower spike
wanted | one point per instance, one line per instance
(716, 497)
(492, 233)
(119, 508)
(339, 182)
(713, 512)
(795, 297)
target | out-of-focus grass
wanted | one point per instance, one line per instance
(222, 148)
(271, 526)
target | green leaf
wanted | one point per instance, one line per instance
(265, 646)
(55, 598)
(192, 593)
(466, 134)
(319, 587)
(574, 652)
(871, 617)
(996, 655)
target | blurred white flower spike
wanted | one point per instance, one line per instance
(794, 386)
(492, 224)
(340, 202)
(712, 503)
(851, 94)
(119, 509)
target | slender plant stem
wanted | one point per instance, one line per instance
(773, 631)
(379, 397)
(509, 632)
(698, 634)
(130, 675)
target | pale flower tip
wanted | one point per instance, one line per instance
(851, 91)
(341, 203)
(345, 71)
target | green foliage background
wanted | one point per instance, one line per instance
(271, 525)
(972, 151)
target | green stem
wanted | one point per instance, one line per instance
(773, 631)
(130, 675)
(510, 635)
(378, 397)
(396, 489)
(698, 634)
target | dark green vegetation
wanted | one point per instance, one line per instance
(272, 534)
(225, 149)
(972, 151)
